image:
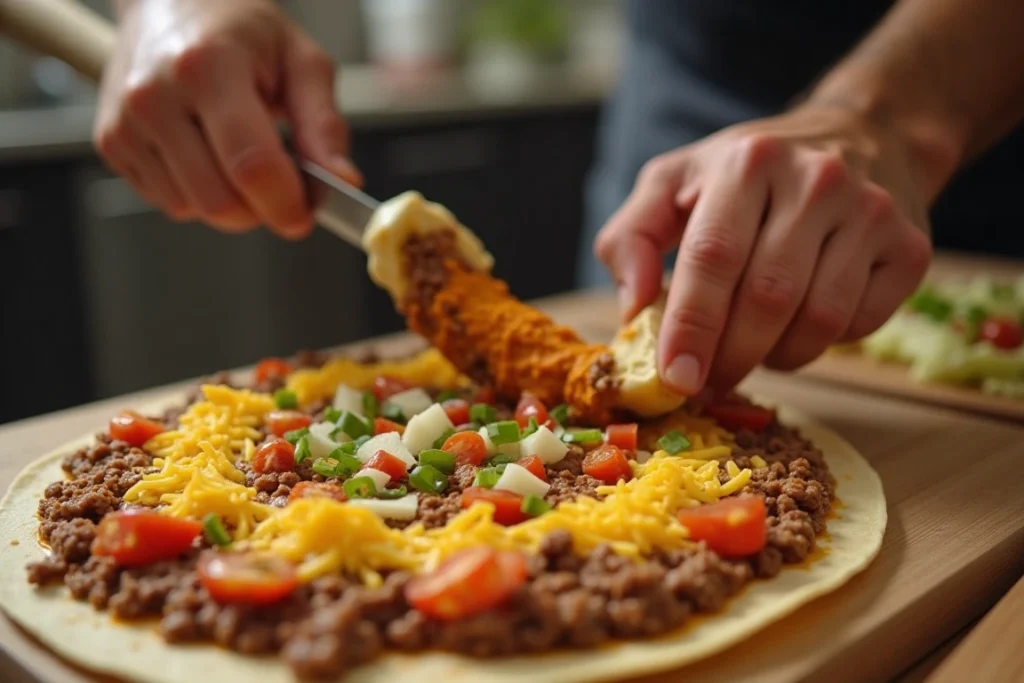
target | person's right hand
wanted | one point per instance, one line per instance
(187, 110)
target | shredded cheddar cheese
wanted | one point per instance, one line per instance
(428, 368)
(635, 517)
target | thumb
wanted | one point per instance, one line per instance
(648, 224)
(320, 133)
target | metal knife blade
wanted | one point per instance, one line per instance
(343, 209)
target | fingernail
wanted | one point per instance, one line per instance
(683, 374)
(344, 168)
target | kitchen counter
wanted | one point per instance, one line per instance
(954, 543)
(366, 99)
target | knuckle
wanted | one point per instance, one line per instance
(715, 252)
(694, 322)
(866, 322)
(877, 204)
(318, 62)
(755, 152)
(109, 139)
(193, 62)
(828, 172)
(827, 317)
(141, 99)
(658, 171)
(773, 294)
(917, 250)
(253, 166)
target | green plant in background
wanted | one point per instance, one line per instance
(539, 27)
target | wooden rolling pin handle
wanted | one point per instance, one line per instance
(63, 29)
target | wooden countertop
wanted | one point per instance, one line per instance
(954, 544)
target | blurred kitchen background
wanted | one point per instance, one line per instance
(487, 106)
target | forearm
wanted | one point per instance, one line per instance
(945, 75)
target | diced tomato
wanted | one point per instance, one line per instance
(248, 578)
(732, 527)
(134, 429)
(386, 387)
(484, 395)
(1001, 333)
(623, 436)
(271, 367)
(142, 537)
(276, 455)
(467, 447)
(508, 506)
(385, 462)
(312, 489)
(536, 467)
(531, 406)
(382, 425)
(457, 410)
(282, 421)
(470, 582)
(607, 463)
(733, 416)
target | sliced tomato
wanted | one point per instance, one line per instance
(142, 537)
(272, 367)
(385, 387)
(1001, 333)
(733, 416)
(134, 429)
(607, 463)
(732, 527)
(469, 582)
(467, 447)
(624, 436)
(275, 455)
(534, 465)
(484, 395)
(531, 406)
(280, 422)
(385, 462)
(508, 506)
(247, 578)
(313, 489)
(382, 425)
(457, 410)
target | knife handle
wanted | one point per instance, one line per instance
(62, 29)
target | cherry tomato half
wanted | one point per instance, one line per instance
(624, 436)
(393, 466)
(467, 447)
(386, 387)
(280, 422)
(133, 429)
(382, 425)
(508, 506)
(249, 578)
(1001, 333)
(312, 489)
(272, 367)
(142, 537)
(275, 455)
(469, 582)
(534, 465)
(732, 527)
(733, 416)
(531, 406)
(607, 463)
(457, 410)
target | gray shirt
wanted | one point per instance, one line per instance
(693, 67)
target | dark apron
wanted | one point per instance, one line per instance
(693, 67)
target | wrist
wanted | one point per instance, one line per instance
(933, 142)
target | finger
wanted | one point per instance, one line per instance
(716, 244)
(161, 185)
(249, 151)
(803, 212)
(320, 132)
(646, 226)
(835, 293)
(162, 118)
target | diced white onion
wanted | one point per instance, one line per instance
(545, 445)
(424, 429)
(347, 398)
(510, 449)
(402, 509)
(518, 479)
(390, 442)
(379, 479)
(411, 402)
(320, 442)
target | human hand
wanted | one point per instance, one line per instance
(794, 232)
(188, 104)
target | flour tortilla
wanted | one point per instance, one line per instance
(94, 641)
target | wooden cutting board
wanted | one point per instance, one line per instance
(954, 544)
